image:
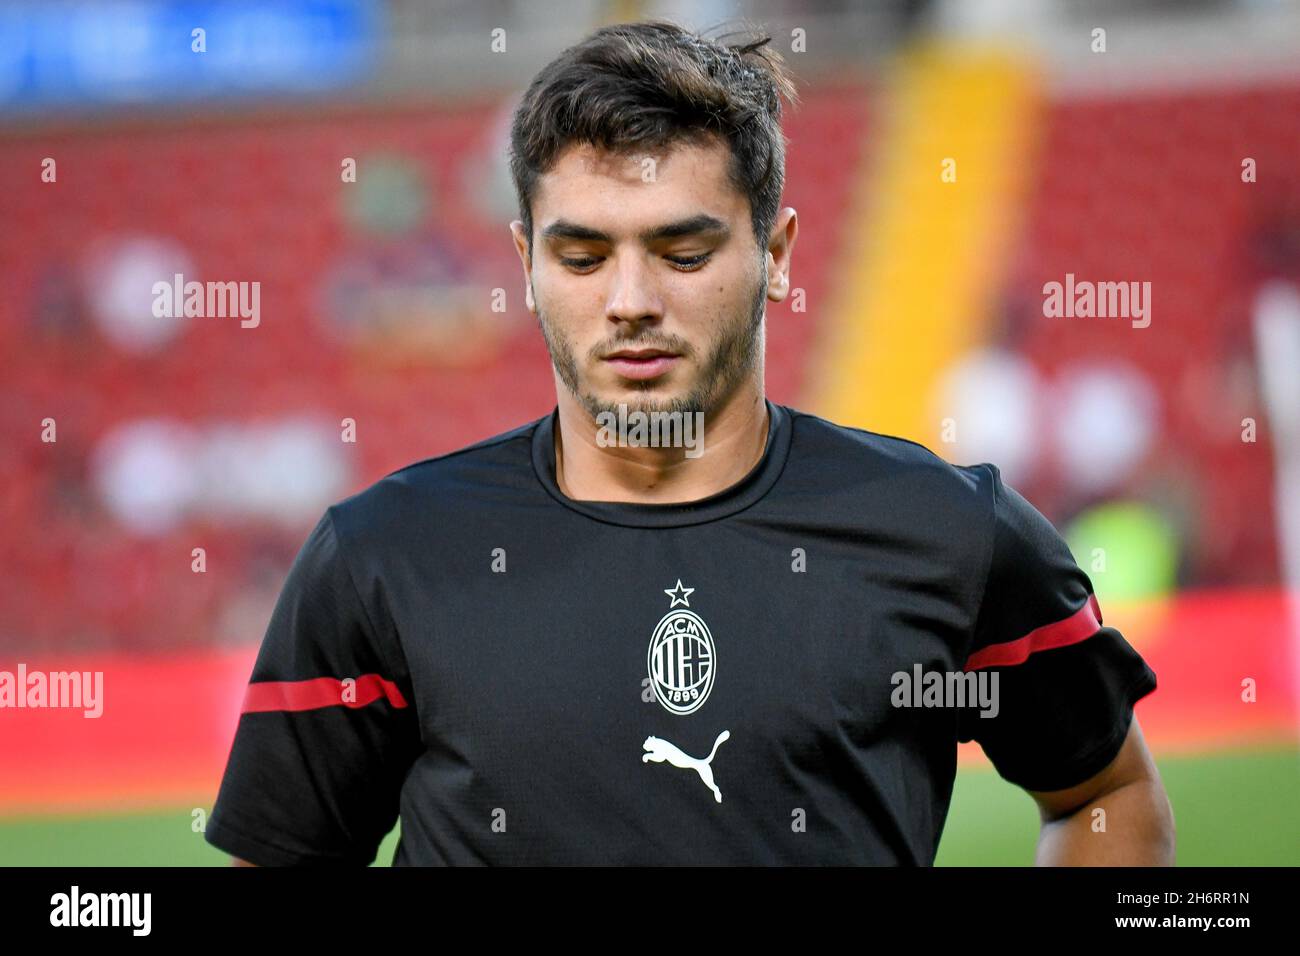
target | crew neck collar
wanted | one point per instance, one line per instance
(737, 497)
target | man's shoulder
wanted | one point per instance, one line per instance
(872, 456)
(427, 487)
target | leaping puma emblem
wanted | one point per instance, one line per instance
(659, 750)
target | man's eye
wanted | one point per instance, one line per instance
(682, 263)
(689, 263)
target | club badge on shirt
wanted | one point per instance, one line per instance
(682, 659)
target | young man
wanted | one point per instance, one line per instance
(571, 644)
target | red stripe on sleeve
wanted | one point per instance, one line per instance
(1079, 626)
(318, 692)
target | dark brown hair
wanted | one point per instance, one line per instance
(651, 84)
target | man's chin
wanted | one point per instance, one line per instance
(647, 399)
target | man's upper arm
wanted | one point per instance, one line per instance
(326, 734)
(1132, 764)
(1066, 684)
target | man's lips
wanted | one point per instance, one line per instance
(641, 363)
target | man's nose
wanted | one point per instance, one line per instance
(633, 296)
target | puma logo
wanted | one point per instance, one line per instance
(659, 750)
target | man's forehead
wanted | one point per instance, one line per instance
(578, 186)
(685, 157)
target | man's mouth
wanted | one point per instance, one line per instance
(641, 364)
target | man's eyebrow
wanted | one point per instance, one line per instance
(691, 226)
(563, 229)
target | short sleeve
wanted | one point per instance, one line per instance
(326, 733)
(1066, 682)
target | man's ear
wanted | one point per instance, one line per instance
(520, 238)
(780, 247)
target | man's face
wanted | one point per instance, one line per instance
(646, 279)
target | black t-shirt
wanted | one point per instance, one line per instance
(525, 678)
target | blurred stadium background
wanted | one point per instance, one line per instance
(1164, 149)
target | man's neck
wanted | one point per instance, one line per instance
(736, 434)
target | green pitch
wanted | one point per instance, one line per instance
(1231, 810)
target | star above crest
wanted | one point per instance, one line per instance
(679, 594)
